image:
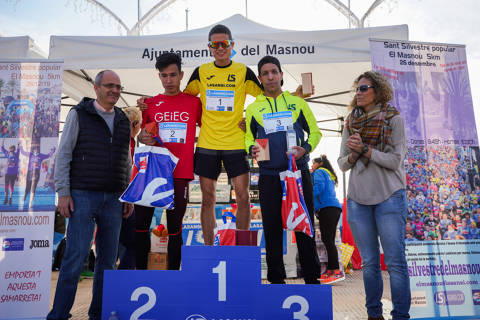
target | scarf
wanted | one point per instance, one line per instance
(373, 126)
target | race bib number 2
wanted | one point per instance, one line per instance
(220, 100)
(175, 132)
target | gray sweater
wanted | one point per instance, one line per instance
(385, 173)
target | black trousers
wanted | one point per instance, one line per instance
(143, 219)
(271, 204)
(328, 218)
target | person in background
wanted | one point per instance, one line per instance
(373, 149)
(327, 210)
(127, 232)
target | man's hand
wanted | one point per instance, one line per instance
(243, 125)
(146, 138)
(65, 206)
(255, 151)
(299, 152)
(127, 209)
(141, 103)
(299, 92)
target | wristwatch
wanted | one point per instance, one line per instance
(364, 150)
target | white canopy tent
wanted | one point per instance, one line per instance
(334, 57)
(20, 48)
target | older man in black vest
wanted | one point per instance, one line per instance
(92, 170)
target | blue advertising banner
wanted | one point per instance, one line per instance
(193, 236)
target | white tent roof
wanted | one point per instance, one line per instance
(20, 48)
(335, 57)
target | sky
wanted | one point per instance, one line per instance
(442, 21)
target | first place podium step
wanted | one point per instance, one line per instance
(215, 283)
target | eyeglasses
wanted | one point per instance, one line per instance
(112, 85)
(363, 88)
(217, 44)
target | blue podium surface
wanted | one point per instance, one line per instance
(215, 283)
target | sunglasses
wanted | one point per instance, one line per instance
(217, 44)
(363, 88)
(112, 85)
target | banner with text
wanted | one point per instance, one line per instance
(432, 93)
(30, 94)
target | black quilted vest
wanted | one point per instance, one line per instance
(100, 160)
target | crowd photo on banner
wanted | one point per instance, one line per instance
(443, 189)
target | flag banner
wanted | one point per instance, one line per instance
(432, 92)
(30, 95)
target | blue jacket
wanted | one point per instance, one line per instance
(324, 190)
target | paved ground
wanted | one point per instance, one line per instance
(348, 297)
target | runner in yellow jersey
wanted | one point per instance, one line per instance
(222, 85)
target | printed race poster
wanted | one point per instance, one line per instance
(30, 94)
(432, 93)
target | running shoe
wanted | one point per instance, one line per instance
(327, 274)
(335, 277)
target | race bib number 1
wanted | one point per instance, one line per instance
(175, 132)
(220, 100)
(278, 121)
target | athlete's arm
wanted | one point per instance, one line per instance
(23, 152)
(199, 113)
(251, 131)
(193, 85)
(252, 85)
(141, 103)
(309, 125)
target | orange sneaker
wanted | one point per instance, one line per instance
(327, 274)
(335, 277)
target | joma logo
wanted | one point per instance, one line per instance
(39, 244)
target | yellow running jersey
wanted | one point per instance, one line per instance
(222, 91)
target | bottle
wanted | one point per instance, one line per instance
(291, 140)
(113, 316)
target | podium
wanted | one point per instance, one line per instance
(215, 283)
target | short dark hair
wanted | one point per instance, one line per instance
(168, 58)
(220, 28)
(269, 59)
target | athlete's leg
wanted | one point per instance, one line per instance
(237, 167)
(241, 184)
(207, 211)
